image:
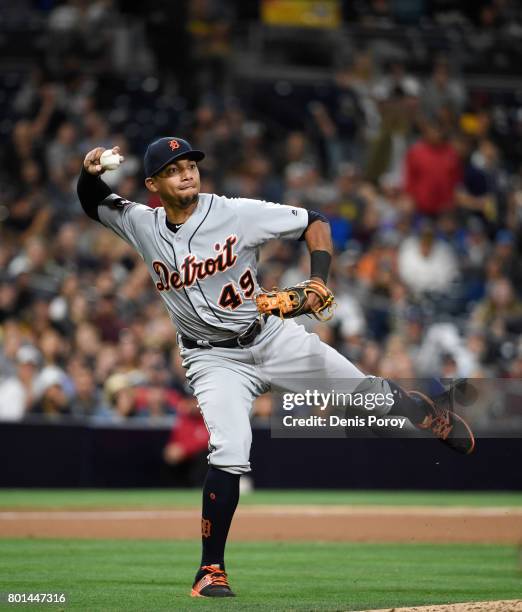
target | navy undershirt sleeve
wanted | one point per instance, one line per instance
(91, 192)
(312, 217)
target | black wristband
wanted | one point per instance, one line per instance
(320, 264)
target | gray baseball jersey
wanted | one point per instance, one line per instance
(206, 271)
(206, 274)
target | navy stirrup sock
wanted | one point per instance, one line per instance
(220, 499)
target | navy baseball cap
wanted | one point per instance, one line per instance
(162, 152)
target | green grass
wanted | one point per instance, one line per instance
(153, 498)
(156, 575)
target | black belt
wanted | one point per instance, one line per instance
(244, 339)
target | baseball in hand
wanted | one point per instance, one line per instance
(110, 160)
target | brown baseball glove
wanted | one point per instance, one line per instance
(292, 301)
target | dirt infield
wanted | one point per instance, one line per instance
(325, 523)
(513, 605)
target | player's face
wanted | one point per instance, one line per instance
(178, 183)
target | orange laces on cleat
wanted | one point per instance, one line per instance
(439, 425)
(439, 421)
(216, 576)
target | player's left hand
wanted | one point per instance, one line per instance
(313, 301)
(309, 297)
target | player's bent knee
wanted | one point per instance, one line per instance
(233, 469)
(232, 458)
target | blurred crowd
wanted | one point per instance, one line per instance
(420, 178)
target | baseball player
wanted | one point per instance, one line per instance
(201, 252)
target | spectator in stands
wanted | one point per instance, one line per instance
(107, 318)
(52, 391)
(442, 91)
(398, 99)
(501, 308)
(62, 146)
(187, 448)
(41, 275)
(120, 392)
(432, 171)
(505, 253)
(8, 297)
(352, 324)
(426, 264)
(481, 190)
(155, 401)
(25, 218)
(339, 118)
(396, 362)
(210, 24)
(17, 391)
(87, 400)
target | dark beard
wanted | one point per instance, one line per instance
(186, 201)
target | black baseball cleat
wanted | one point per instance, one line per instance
(211, 581)
(444, 423)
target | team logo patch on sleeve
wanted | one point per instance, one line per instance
(118, 203)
